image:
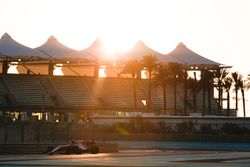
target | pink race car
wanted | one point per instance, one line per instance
(76, 147)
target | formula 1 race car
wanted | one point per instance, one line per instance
(76, 147)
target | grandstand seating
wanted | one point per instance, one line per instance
(117, 93)
(157, 97)
(27, 90)
(199, 102)
(4, 97)
(55, 98)
(74, 91)
(90, 93)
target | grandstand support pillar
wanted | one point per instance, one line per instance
(50, 68)
(5, 66)
(24, 116)
(48, 116)
(22, 132)
(138, 74)
(5, 132)
(186, 91)
(38, 132)
(96, 71)
(29, 115)
(71, 117)
(66, 116)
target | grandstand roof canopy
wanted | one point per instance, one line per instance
(141, 49)
(97, 51)
(188, 57)
(54, 49)
(10, 48)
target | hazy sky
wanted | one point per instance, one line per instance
(216, 29)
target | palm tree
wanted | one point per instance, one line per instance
(177, 73)
(244, 85)
(185, 86)
(237, 81)
(149, 62)
(220, 75)
(210, 85)
(204, 79)
(207, 83)
(194, 85)
(227, 85)
(133, 67)
(242, 89)
(161, 78)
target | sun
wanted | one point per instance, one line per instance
(115, 44)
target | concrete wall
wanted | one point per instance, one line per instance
(107, 128)
(173, 120)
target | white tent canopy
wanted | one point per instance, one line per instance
(188, 57)
(54, 49)
(97, 51)
(10, 48)
(141, 49)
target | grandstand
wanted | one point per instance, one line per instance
(37, 91)
(41, 93)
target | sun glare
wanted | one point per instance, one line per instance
(13, 68)
(102, 72)
(144, 102)
(58, 70)
(114, 44)
(144, 74)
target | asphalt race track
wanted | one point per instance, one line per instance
(143, 156)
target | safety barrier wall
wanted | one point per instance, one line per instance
(127, 128)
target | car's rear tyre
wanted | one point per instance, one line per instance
(73, 150)
(94, 150)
